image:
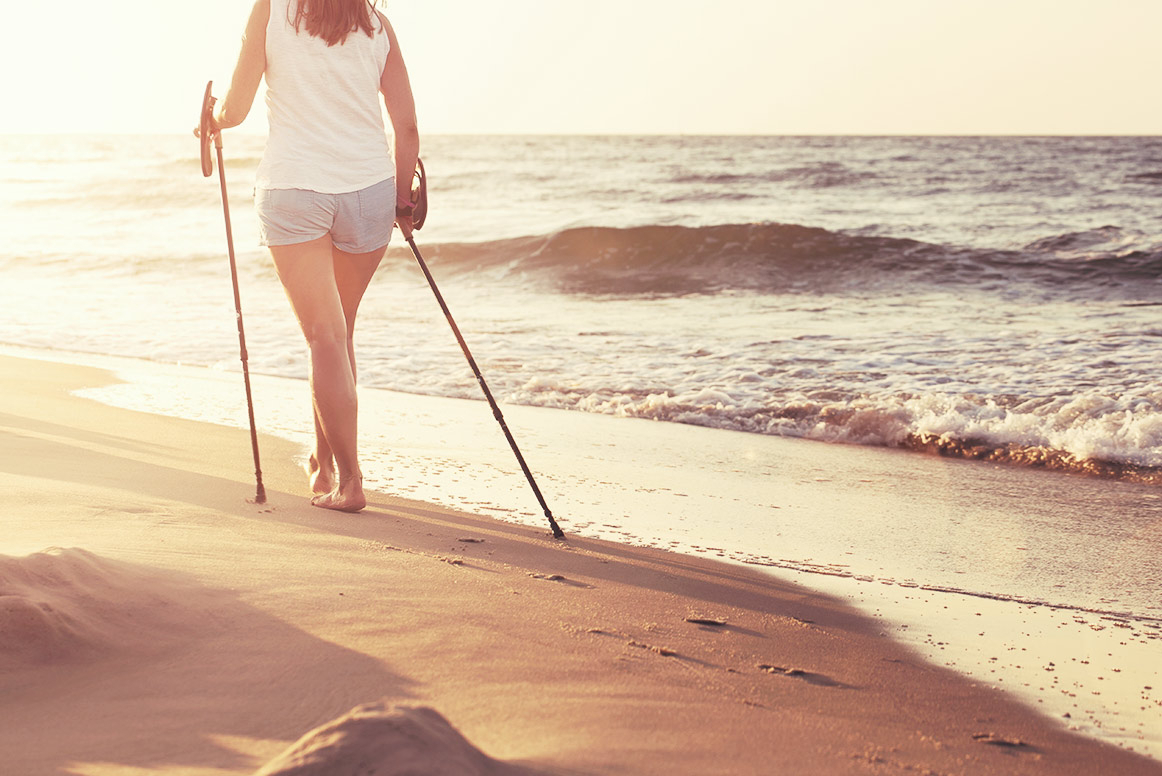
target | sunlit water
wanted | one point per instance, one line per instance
(988, 298)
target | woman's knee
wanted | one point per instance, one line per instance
(325, 336)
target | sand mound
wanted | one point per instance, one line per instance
(374, 740)
(69, 604)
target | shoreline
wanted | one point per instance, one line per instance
(578, 655)
(1092, 667)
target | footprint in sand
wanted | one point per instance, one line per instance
(807, 676)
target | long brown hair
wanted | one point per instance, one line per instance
(334, 20)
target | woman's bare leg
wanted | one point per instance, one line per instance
(353, 273)
(308, 276)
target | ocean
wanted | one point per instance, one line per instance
(992, 298)
(966, 321)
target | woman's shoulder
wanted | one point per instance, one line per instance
(260, 10)
(259, 18)
(386, 25)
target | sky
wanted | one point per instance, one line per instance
(634, 66)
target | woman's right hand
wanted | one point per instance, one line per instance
(215, 128)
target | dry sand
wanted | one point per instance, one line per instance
(184, 630)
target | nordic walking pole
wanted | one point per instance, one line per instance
(496, 413)
(205, 130)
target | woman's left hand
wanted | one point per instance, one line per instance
(404, 223)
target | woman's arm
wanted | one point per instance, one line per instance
(401, 109)
(234, 107)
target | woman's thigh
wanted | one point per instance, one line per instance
(308, 276)
(353, 273)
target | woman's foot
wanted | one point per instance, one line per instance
(346, 497)
(322, 480)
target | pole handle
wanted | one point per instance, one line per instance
(205, 130)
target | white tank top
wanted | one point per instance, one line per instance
(323, 104)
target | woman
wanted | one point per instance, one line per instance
(327, 193)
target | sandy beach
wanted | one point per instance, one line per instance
(155, 621)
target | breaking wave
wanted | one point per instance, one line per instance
(789, 258)
(1089, 433)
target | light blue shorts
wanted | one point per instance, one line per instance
(358, 221)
